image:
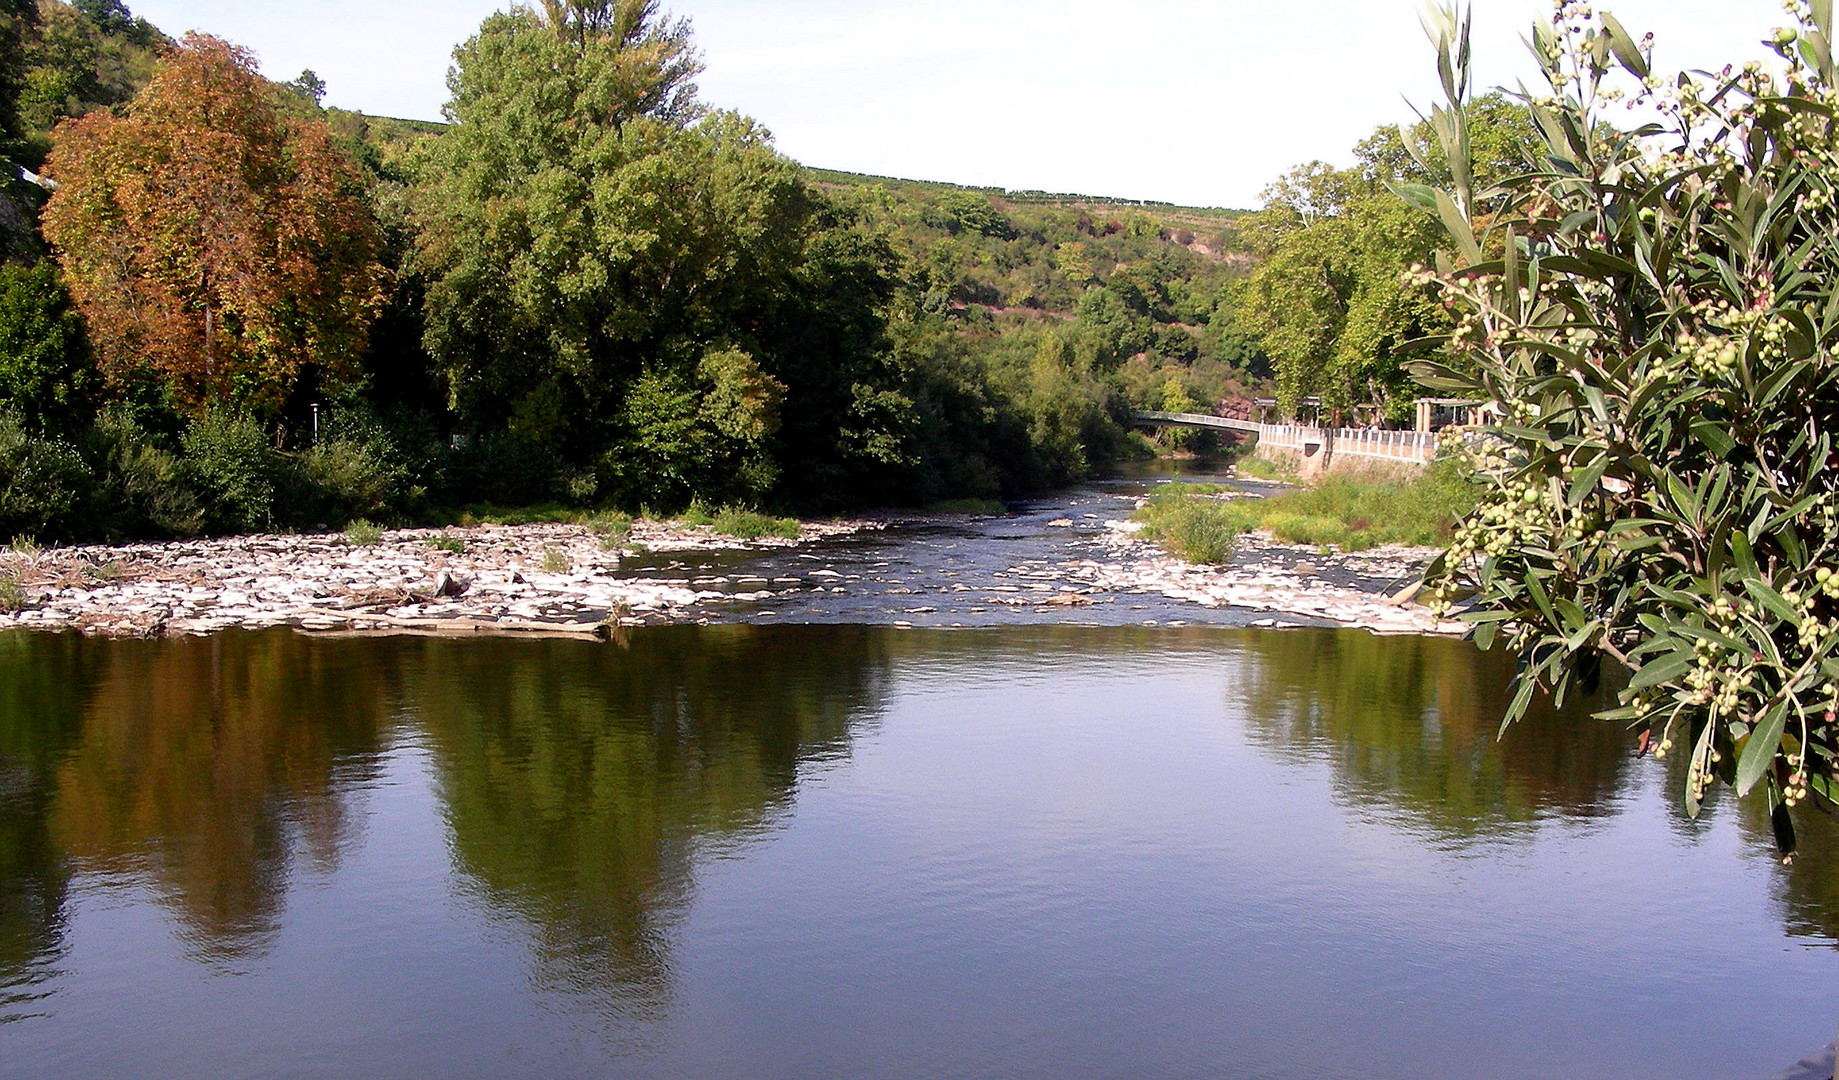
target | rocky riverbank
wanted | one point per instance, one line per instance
(1284, 579)
(540, 578)
(555, 579)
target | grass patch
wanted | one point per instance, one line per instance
(750, 525)
(555, 562)
(362, 533)
(740, 522)
(1259, 469)
(540, 514)
(105, 572)
(1421, 511)
(451, 544)
(1311, 529)
(613, 529)
(1340, 512)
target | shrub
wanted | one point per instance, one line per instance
(228, 459)
(1651, 316)
(362, 533)
(452, 544)
(556, 562)
(1316, 530)
(613, 529)
(12, 594)
(141, 490)
(357, 476)
(41, 483)
(1261, 469)
(1196, 529)
(503, 471)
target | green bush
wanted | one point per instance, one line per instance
(141, 490)
(1260, 469)
(48, 375)
(613, 529)
(1316, 531)
(1345, 512)
(502, 471)
(229, 460)
(42, 481)
(361, 533)
(352, 477)
(12, 594)
(1199, 530)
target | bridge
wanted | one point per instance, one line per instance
(1318, 446)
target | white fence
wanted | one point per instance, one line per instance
(1317, 445)
(1416, 447)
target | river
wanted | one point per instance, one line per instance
(830, 848)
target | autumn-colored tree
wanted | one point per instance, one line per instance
(212, 238)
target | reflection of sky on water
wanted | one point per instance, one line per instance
(1041, 851)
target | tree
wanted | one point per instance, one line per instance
(212, 239)
(48, 377)
(648, 62)
(602, 273)
(17, 200)
(78, 59)
(17, 19)
(1653, 316)
(1328, 301)
(309, 86)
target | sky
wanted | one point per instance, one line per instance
(1197, 102)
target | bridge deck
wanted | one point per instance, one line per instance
(1414, 447)
(1177, 419)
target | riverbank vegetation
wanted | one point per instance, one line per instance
(228, 308)
(1202, 523)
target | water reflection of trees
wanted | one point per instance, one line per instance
(581, 781)
(1412, 722)
(207, 766)
(39, 717)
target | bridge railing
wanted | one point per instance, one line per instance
(1417, 447)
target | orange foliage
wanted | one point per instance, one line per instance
(210, 238)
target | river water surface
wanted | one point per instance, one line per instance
(842, 850)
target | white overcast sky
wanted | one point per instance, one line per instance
(1201, 102)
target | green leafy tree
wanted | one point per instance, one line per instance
(1328, 301)
(48, 375)
(79, 58)
(596, 266)
(17, 19)
(1652, 316)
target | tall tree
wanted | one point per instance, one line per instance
(652, 59)
(17, 17)
(1328, 301)
(210, 237)
(607, 280)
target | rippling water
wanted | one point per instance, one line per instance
(849, 851)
